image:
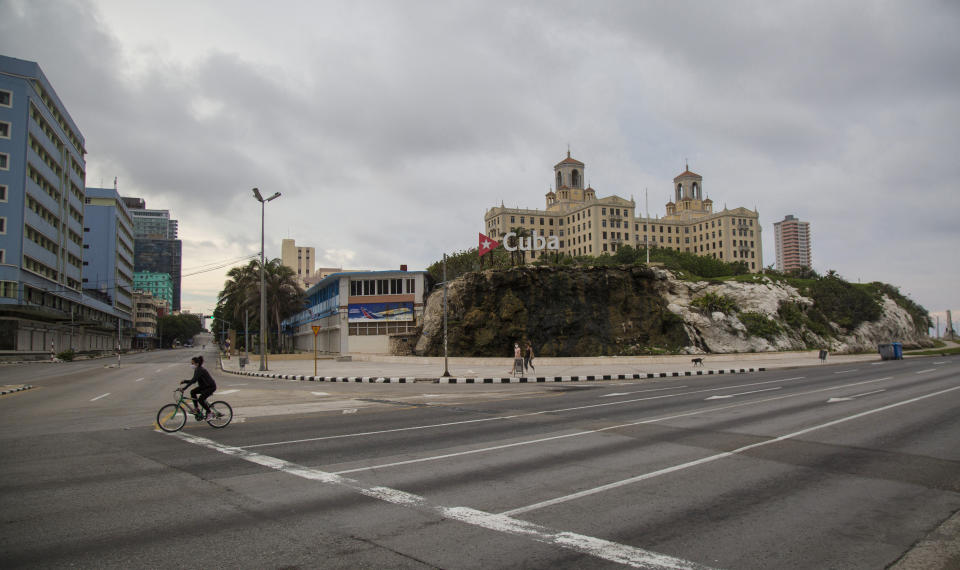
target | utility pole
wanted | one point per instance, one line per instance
(446, 370)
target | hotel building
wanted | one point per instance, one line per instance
(792, 239)
(587, 225)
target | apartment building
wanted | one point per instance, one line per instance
(792, 239)
(42, 219)
(300, 259)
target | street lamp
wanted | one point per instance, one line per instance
(263, 291)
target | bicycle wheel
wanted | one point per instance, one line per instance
(222, 414)
(171, 417)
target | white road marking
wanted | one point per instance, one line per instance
(641, 391)
(514, 416)
(350, 410)
(845, 371)
(848, 398)
(724, 455)
(225, 392)
(742, 393)
(925, 371)
(320, 393)
(139, 379)
(244, 384)
(588, 432)
(100, 396)
(597, 547)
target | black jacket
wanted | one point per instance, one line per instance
(202, 378)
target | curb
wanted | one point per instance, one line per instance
(5, 391)
(538, 379)
(500, 380)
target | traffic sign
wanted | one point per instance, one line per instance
(316, 329)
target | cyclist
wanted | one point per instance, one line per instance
(205, 386)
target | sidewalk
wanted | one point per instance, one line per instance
(405, 369)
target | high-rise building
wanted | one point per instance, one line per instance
(299, 259)
(584, 224)
(42, 182)
(160, 256)
(792, 238)
(108, 249)
(152, 224)
(159, 285)
(157, 248)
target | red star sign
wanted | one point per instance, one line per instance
(487, 244)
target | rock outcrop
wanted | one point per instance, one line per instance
(632, 310)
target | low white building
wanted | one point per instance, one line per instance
(359, 312)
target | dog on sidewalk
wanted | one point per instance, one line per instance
(697, 361)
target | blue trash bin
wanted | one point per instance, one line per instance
(897, 350)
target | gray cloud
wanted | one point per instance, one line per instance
(391, 127)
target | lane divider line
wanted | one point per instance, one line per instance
(511, 417)
(583, 544)
(724, 455)
(590, 432)
(100, 396)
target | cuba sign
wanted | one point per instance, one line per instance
(535, 242)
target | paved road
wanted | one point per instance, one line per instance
(836, 466)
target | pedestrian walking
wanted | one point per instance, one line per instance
(517, 360)
(528, 358)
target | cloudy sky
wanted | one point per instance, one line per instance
(390, 127)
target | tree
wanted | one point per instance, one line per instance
(284, 294)
(241, 296)
(178, 328)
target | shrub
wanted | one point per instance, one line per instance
(712, 303)
(759, 324)
(843, 303)
(67, 355)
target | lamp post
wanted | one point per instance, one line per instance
(263, 293)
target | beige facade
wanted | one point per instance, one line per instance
(587, 225)
(300, 259)
(146, 313)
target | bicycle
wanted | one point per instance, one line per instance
(172, 417)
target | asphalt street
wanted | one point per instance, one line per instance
(848, 465)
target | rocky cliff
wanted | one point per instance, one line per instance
(633, 310)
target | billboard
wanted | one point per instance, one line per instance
(373, 312)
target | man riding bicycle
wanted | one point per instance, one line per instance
(205, 386)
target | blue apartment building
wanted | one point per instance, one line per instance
(108, 249)
(42, 193)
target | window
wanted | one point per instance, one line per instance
(4, 161)
(3, 192)
(3, 225)
(4, 130)
(6, 98)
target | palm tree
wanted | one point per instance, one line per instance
(241, 294)
(284, 294)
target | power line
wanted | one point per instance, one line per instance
(219, 266)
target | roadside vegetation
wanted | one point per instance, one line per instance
(835, 300)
